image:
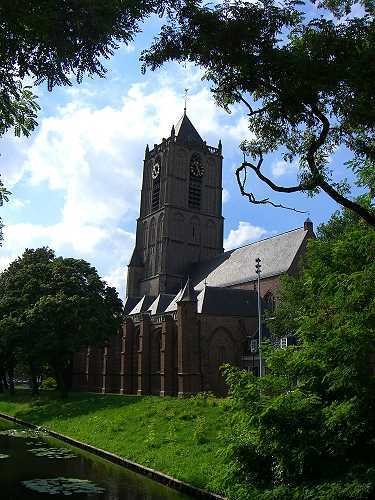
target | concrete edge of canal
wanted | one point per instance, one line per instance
(128, 464)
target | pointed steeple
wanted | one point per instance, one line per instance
(186, 132)
(147, 151)
(220, 146)
(188, 293)
(173, 132)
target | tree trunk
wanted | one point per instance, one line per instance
(60, 379)
(4, 380)
(34, 380)
(11, 379)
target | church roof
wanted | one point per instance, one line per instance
(143, 304)
(186, 132)
(277, 255)
(173, 305)
(188, 294)
(160, 304)
(130, 303)
(228, 302)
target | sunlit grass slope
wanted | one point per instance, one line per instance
(177, 436)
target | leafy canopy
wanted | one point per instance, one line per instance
(306, 429)
(55, 42)
(306, 85)
(50, 307)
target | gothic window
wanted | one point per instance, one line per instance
(211, 230)
(145, 235)
(155, 194)
(195, 182)
(161, 227)
(152, 233)
(179, 227)
(195, 230)
(221, 355)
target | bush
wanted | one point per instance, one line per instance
(48, 384)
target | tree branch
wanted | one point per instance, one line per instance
(252, 111)
(265, 201)
(364, 213)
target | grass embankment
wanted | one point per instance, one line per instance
(177, 436)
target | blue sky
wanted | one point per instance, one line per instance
(76, 180)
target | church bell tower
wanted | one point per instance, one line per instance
(180, 222)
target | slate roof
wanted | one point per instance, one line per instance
(186, 132)
(143, 304)
(238, 265)
(228, 302)
(160, 304)
(188, 294)
(173, 305)
(130, 303)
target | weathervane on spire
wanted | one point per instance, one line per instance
(186, 98)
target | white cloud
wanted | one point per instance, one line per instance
(244, 233)
(91, 156)
(281, 167)
(226, 195)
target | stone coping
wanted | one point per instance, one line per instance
(116, 459)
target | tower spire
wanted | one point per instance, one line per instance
(186, 98)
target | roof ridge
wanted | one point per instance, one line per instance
(264, 239)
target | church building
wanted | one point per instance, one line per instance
(190, 306)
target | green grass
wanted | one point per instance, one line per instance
(177, 436)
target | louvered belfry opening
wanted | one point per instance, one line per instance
(155, 194)
(195, 191)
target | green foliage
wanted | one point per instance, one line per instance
(306, 429)
(124, 425)
(306, 83)
(48, 384)
(54, 41)
(50, 307)
(200, 431)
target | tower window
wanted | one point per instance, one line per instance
(155, 194)
(195, 181)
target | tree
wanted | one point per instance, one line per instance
(306, 85)
(55, 306)
(306, 429)
(53, 41)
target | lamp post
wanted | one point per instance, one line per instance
(258, 270)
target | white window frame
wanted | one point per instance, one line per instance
(253, 345)
(283, 342)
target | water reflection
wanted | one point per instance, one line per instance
(23, 465)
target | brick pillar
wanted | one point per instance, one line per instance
(167, 358)
(188, 349)
(127, 349)
(105, 377)
(144, 374)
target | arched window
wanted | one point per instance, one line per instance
(195, 230)
(195, 182)
(151, 239)
(155, 200)
(179, 226)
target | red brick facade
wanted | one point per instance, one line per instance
(177, 354)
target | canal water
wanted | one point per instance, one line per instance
(34, 466)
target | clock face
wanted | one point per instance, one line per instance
(155, 170)
(196, 167)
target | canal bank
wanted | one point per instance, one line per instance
(170, 482)
(177, 438)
